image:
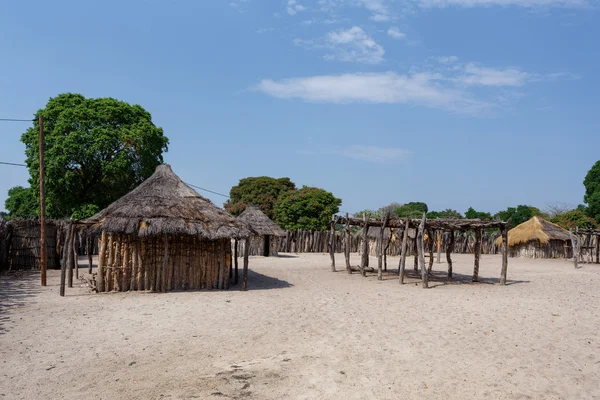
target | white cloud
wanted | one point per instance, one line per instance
(293, 7)
(423, 89)
(482, 76)
(505, 3)
(381, 155)
(349, 45)
(395, 33)
(378, 8)
(446, 59)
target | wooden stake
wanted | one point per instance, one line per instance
(332, 243)
(89, 247)
(421, 249)
(432, 234)
(101, 261)
(235, 256)
(364, 261)
(165, 265)
(403, 250)
(439, 246)
(75, 253)
(69, 249)
(574, 245)
(43, 257)
(449, 249)
(380, 249)
(504, 253)
(348, 243)
(245, 271)
(477, 255)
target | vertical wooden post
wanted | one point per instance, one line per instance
(477, 252)
(235, 256)
(380, 249)
(421, 248)
(332, 244)
(449, 249)
(597, 249)
(245, 271)
(67, 256)
(165, 265)
(76, 253)
(43, 258)
(504, 253)
(403, 250)
(574, 245)
(89, 247)
(348, 241)
(439, 246)
(101, 261)
(432, 235)
(416, 248)
(364, 261)
(70, 260)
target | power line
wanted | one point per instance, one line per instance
(9, 163)
(206, 190)
(16, 120)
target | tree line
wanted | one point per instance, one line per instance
(98, 149)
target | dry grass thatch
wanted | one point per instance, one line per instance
(536, 228)
(259, 223)
(164, 204)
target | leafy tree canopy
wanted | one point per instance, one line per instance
(573, 219)
(262, 191)
(519, 214)
(308, 208)
(471, 213)
(22, 203)
(372, 214)
(447, 213)
(389, 208)
(97, 150)
(592, 191)
(413, 209)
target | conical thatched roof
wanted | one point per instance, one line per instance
(163, 204)
(536, 228)
(259, 223)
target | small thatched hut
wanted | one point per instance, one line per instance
(266, 234)
(538, 238)
(164, 236)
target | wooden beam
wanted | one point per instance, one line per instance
(574, 246)
(332, 244)
(165, 264)
(403, 251)
(69, 249)
(245, 271)
(380, 249)
(432, 234)
(43, 256)
(235, 256)
(421, 248)
(348, 244)
(101, 261)
(504, 255)
(449, 249)
(477, 252)
(364, 261)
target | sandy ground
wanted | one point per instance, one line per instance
(303, 332)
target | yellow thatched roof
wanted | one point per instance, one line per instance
(536, 228)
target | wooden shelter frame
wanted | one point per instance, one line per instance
(583, 239)
(431, 227)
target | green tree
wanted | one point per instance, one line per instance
(573, 219)
(413, 209)
(308, 208)
(592, 191)
(519, 214)
(472, 214)
(22, 203)
(447, 213)
(372, 214)
(261, 190)
(97, 150)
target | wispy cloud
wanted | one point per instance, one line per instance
(350, 45)
(395, 33)
(374, 154)
(417, 89)
(481, 76)
(504, 3)
(380, 11)
(293, 7)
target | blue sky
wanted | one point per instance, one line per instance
(458, 103)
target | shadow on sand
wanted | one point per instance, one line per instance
(440, 278)
(258, 281)
(16, 289)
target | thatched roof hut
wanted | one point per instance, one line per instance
(164, 236)
(164, 205)
(537, 238)
(266, 233)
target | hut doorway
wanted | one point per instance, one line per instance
(267, 248)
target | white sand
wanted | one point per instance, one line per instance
(303, 332)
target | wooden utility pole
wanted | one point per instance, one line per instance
(42, 203)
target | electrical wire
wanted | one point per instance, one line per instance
(10, 163)
(16, 120)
